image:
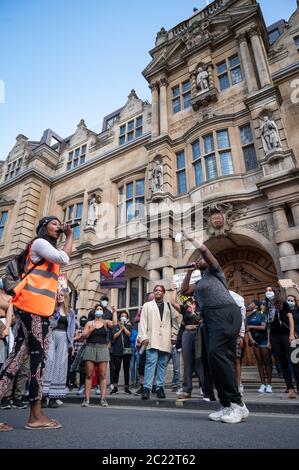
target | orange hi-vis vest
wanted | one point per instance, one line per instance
(36, 293)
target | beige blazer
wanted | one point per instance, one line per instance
(159, 333)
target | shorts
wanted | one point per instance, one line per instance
(96, 353)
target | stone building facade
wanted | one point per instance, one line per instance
(217, 149)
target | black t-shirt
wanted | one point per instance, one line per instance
(62, 323)
(122, 341)
(161, 309)
(280, 324)
(98, 336)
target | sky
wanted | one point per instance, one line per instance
(64, 60)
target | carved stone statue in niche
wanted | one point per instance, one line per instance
(270, 135)
(157, 177)
(202, 80)
(219, 218)
(92, 214)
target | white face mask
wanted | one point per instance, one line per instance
(104, 303)
(270, 295)
(123, 319)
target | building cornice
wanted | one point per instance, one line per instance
(286, 72)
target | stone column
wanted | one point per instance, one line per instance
(154, 274)
(295, 211)
(259, 55)
(284, 248)
(167, 247)
(163, 107)
(247, 63)
(155, 109)
(85, 278)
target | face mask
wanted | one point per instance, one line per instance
(104, 303)
(83, 323)
(291, 303)
(123, 319)
(98, 313)
(270, 295)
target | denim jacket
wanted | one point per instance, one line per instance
(71, 325)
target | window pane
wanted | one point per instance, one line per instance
(129, 191)
(122, 140)
(120, 194)
(83, 150)
(139, 207)
(77, 152)
(180, 160)
(139, 121)
(223, 139)
(182, 183)
(71, 156)
(121, 298)
(297, 42)
(226, 163)
(250, 157)
(139, 187)
(176, 91)
(134, 291)
(3, 218)
(122, 129)
(139, 132)
(223, 82)
(17, 171)
(1, 233)
(221, 68)
(196, 150)
(82, 159)
(144, 290)
(69, 166)
(130, 136)
(71, 211)
(176, 105)
(209, 143)
(130, 210)
(76, 233)
(211, 167)
(186, 86)
(187, 100)
(130, 125)
(234, 61)
(236, 75)
(79, 210)
(273, 35)
(246, 134)
(198, 172)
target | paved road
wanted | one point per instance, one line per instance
(131, 427)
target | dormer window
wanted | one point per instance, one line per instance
(76, 157)
(13, 169)
(131, 130)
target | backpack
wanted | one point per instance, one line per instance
(13, 273)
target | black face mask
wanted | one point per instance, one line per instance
(83, 323)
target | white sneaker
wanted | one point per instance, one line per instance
(269, 389)
(85, 403)
(200, 392)
(59, 402)
(206, 399)
(179, 391)
(236, 414)
(262, 389)
(241, 389)
(98, 391)
(217, 415)
(81, 390)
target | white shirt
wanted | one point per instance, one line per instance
(41, 248)
(240, 301)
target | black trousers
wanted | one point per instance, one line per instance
(222, 324)
(281, 347)
(117, 360)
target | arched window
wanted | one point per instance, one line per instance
(133, 296)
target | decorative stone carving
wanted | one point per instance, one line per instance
(261, 227)
(270, 135)
(162, 36)
(198, 33)
(92, 214)
(82, 125)
(254, 31)
(157, 177)
(219, 218)
(203, 89)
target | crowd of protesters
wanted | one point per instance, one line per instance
(205, 323)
